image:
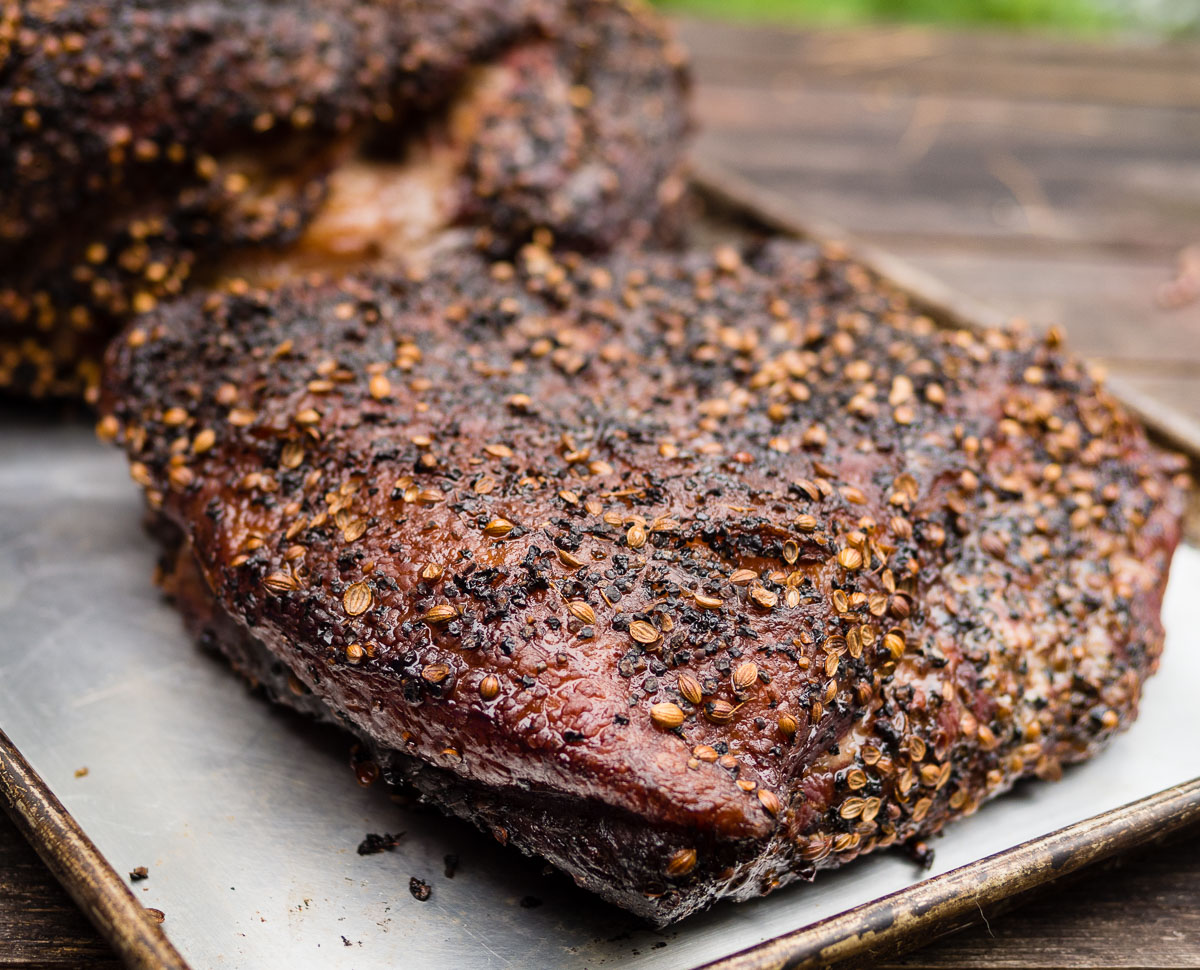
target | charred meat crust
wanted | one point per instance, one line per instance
(602, 848)
(736, 546)
(587, 139)
(143, 143)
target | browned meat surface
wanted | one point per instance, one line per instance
(147, 146)
(694, 575)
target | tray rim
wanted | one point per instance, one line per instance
(936, 906)
(78, 865)
(887, 925)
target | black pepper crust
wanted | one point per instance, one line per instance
(694, 575)
(145, 144)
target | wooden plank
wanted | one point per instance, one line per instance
(1157, 89)
(765, 44)
(39, 925)
(1140, 910)
(950, 168)
(923, 60)
(764, 102)
(962, 197)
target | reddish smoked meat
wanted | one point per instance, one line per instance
(692, 574)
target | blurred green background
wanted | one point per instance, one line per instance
(1075, 16)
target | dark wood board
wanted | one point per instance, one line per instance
(40, 926)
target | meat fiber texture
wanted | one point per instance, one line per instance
(693, 574)
(150, 146)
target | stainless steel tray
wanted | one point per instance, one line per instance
(248, 818)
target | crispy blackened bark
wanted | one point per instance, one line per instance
(583, 134)
(693, 574)
(147, 146)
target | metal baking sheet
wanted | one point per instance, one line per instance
(248, 818)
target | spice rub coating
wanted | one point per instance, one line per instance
(694, 575)
(147, 146)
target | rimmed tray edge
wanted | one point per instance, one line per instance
(936, 906)
(78, 865)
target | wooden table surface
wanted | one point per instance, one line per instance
(1059, 181)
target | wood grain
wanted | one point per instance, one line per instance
(39, 925)
(1140, 910)
(953, 167)
(1009, 65)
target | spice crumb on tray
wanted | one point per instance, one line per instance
(373, 844)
